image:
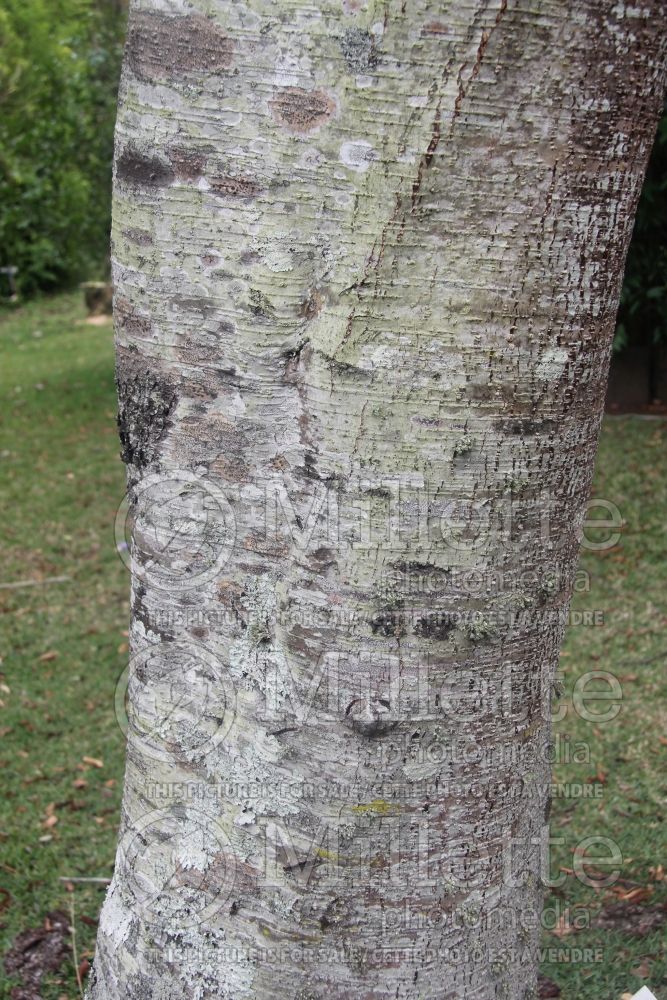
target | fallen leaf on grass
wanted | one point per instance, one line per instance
(80, 783)
(51, 818)
(600, 776)
(639, 895)
(93, 761)
(643, 970)
(51, 654)
(629, 891)
(36, 952)
(546, 988)
(563, 927)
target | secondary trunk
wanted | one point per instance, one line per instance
(367, 259)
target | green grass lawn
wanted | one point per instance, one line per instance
(63, 647)
(62, 643)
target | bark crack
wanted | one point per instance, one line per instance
(477, 65)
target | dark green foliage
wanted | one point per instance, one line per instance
(643, 307)
(58, 82)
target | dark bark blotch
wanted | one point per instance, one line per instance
(146, 402)
(162, 48)
(188, 164)
(142, 169)
(140, 237)
(301, 110)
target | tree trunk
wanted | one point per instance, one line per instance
(367, 259)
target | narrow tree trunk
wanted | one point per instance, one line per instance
(367, 262)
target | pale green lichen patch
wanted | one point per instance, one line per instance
(260, 601)
(359, 52)
(478, 628)
(463, 445)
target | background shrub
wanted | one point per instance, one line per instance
(58, 84)
(644, 297)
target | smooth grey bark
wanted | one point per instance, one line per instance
(367, 260)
